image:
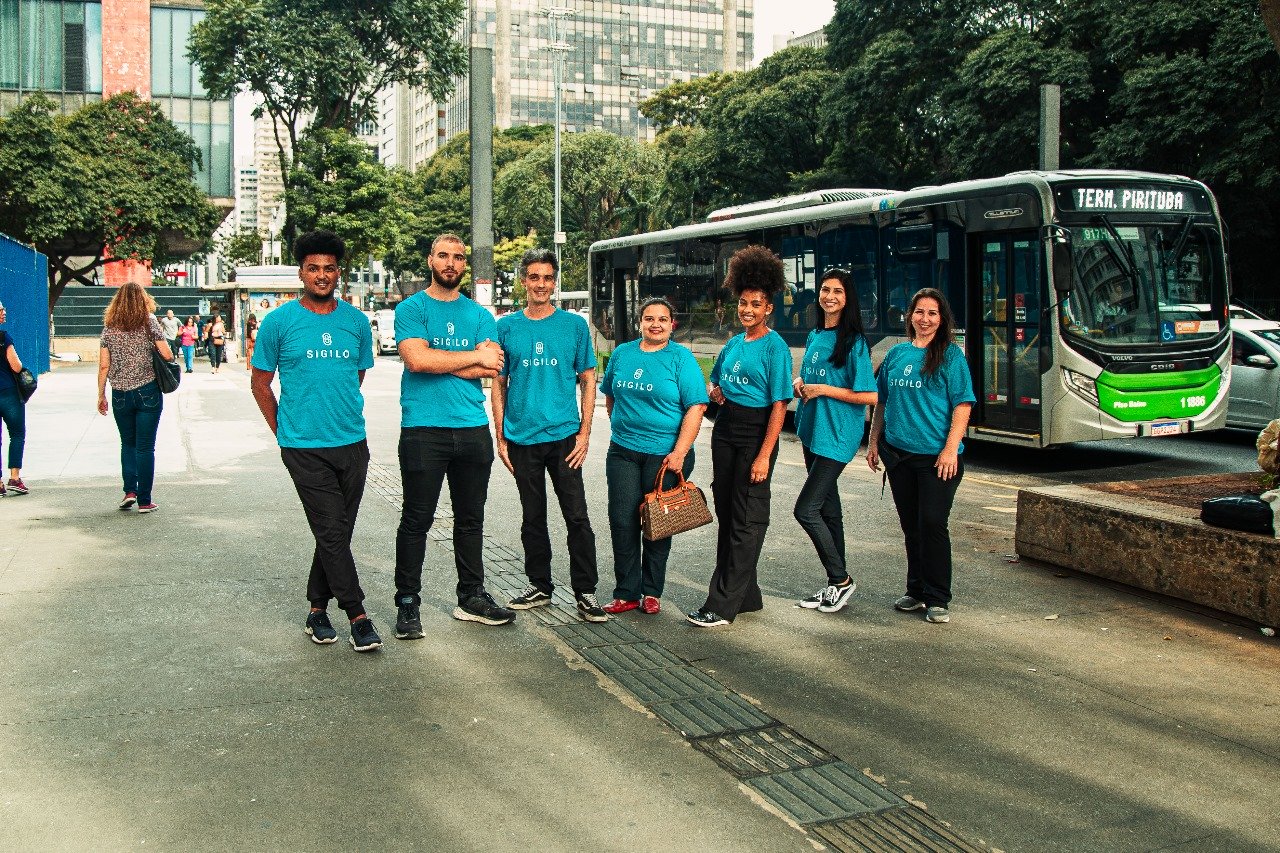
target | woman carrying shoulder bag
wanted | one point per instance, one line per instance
(13, 411)
(217, 338)
(130, 331)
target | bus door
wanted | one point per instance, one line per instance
(1009, 391)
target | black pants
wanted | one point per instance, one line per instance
(427, 456)
(819, 512)
(330, 483)
(742, 509)
(923, 500)
(215, 355)
(533, 463)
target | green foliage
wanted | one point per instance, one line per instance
(506, 260)
(682, 104)
(242, 249)
(114, 178)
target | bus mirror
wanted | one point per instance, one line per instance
(1063, 264)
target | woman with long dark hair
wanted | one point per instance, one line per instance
(13, 411)
(926, 393)
(751, 380)
(130, 331)
(187, 337)
(835, 386)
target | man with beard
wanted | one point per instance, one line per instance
(321, 347)
(448, 344)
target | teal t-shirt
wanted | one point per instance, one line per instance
(833, 428)
(917, 408)
(442, 399)
(651, 391)
(543, 360)
(754, 373)
(318, 358)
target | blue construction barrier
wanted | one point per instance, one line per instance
(24, 290)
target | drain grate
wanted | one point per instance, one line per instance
(582, 635)
(910, 830)
(712, 715)
(826, 792)
(552, 615)
(774, 750)
(630, 658)
(665, 685)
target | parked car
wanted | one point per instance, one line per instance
(1255, 380)
(384, 331)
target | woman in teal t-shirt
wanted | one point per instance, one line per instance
(751, 381)
(655, 396)
(926, 393)
(835, 386)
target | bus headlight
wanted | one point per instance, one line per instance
(1082, 385)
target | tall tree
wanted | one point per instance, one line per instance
(325, 60)
(114, 181)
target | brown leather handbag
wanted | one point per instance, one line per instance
(680, 508)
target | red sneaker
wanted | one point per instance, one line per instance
(619, 606)
(130, 499)
(650, 604)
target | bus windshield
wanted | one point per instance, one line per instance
(1144, 284)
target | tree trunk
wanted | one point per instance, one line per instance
(1271, 17)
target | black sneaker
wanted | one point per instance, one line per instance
(483, 609)
(589, 609)
(363, 636)
(705, 618)
(531, 597)
(320, 628)
(836, 596)
(408, 622)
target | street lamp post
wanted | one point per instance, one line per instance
(559, 48)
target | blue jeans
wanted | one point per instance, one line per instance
(137, 414)
(188, 354)
(13, 412)
(639, 566)
(819, 512)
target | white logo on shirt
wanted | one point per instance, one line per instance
(906, 371)
(327, 339)
(815, 358)
(639, 372)
(538, 347)
(450, 331)
(736, 365)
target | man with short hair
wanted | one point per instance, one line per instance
(540, 433)
(447, 343)
(169, 325)
(321, 346)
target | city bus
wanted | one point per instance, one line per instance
(1090, 304)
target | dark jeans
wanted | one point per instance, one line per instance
(137, 414)
(330, 483)
(188, 355)
(215, 355)
(924, 503)
(13, 413)
(819, 512)
(639, 566)
(742, 509)
(427, 456)
(533, 463)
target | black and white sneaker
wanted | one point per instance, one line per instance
(835, 597)
(705, 618)
(530, 598)
(813, 601)
(320, 629)
(363, 637)
(408, 621)
(589, 609)
(483, 609)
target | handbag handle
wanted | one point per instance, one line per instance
(657, 483)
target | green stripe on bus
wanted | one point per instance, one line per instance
(1188, 398)
(1171, 381)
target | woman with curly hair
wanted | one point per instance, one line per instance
(130, 331)
(751, 380)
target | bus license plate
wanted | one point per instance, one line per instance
(1167, 428)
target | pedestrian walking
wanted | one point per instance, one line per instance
(448, 343)
(130, 331)
(250, 338)
(655, 397)
(13, 410)
(321, 346)
(216, 339)
(170, 324)
(542, 406)
(187, 337)
(926, 393)
(751, 380)
(835, 386)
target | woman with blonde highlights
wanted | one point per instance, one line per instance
(130, 331)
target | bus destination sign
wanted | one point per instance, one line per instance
(1135, 199)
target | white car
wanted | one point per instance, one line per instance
(1255, 380)
(384, 331)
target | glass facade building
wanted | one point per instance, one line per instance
(50, 46)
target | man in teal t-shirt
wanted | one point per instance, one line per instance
(448, 344)
(549, 368)
(321, 346)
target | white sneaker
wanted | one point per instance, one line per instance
(834, 598)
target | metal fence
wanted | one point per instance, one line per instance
(24, 290)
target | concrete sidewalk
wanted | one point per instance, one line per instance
(156, 689)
